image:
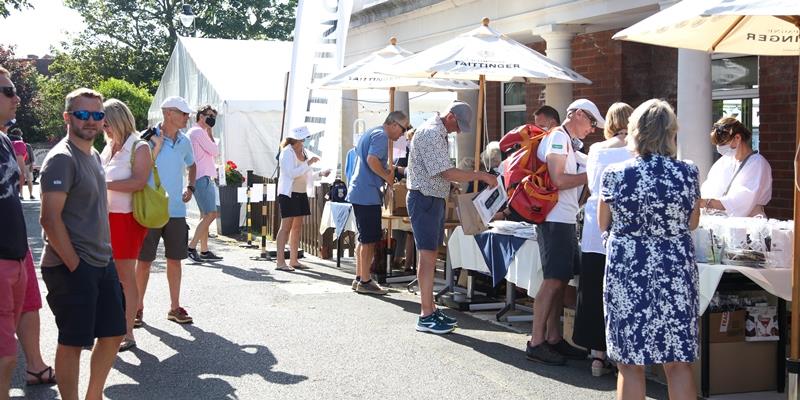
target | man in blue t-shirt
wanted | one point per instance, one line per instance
(176, 155)
(364, 192)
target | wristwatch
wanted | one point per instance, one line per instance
(191, 188)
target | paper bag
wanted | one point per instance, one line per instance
(471, 221)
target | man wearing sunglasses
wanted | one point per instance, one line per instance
(84, 290)
(175, 155)
(558, 242)
(364, 192)
(13, 240)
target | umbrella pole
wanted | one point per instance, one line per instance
(793, 364)
(390, 188)
(479, 127)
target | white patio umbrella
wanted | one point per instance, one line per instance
(760, 27)
(485, 54)
(366, 74)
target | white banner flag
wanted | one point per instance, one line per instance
(319, 40)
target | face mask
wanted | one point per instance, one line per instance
(211, 121)
(726, 150)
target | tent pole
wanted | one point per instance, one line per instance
(793, 364)
(273, 221)
(479, 126)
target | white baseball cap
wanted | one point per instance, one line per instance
(299, 133)
(176, 102)
(588, 106)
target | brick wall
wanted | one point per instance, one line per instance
(778, 101)
(633, 72)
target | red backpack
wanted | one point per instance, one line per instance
(531, 193)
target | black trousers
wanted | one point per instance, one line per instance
(589, 331)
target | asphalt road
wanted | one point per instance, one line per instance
(266, 334)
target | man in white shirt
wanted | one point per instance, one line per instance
(558, 244)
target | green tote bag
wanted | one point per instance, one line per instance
(150, 205)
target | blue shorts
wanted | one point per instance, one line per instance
(204, 189)
(427, 219)
(368, 222)
(88, 303)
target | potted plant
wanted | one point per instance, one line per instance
(228, 202)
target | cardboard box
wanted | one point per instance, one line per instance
(737, 367)
(569, 325)
(761, 323)
(471, 222)
(394, 200)
(727, 327)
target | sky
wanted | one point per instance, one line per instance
(33, 31)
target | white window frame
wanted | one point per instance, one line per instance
(508, 108)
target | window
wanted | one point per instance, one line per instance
(734, 85)
(513, 106)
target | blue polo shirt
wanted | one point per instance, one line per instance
(172, 161)
(365, 185)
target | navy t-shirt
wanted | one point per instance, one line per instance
(13, 236)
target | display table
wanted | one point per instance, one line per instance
(526, 271)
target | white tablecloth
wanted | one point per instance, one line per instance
(326, 221)
(526, 269)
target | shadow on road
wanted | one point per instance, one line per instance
(193, 371)
(247, 274)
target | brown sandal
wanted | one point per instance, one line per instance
(40, 379)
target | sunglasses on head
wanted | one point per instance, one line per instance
(9, 91)
(84, 115)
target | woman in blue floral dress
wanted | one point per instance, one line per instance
(648, 206)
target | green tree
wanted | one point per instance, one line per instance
(136, 98)
(7, 5)
(24, 76)
(132, 40)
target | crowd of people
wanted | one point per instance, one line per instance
(637, 297)
(97, 256)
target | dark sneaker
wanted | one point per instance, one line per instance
(194, 255)
(433, 324)
(370, 287)
(569, 351)
(180, 316)
(138, 321)
(208, 255)
(447, 320)
(545, 354)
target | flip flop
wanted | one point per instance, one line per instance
(299, 266)
(40, 379)
(127, 344)
(286, 268)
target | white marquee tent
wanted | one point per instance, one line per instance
(244, 81)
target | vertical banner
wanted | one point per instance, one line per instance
(319, 41)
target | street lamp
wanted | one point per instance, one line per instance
(187, 17)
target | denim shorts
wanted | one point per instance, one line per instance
(204, 189)
(427, 219)
(88, 302)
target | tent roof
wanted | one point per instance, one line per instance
(244, 73)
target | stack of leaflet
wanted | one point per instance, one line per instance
(519, 229)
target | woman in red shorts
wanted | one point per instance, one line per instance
(123, 178)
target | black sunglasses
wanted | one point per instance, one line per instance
(84, 115)
(9, 91)
(591, 119)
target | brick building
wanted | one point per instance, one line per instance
(761, 91)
